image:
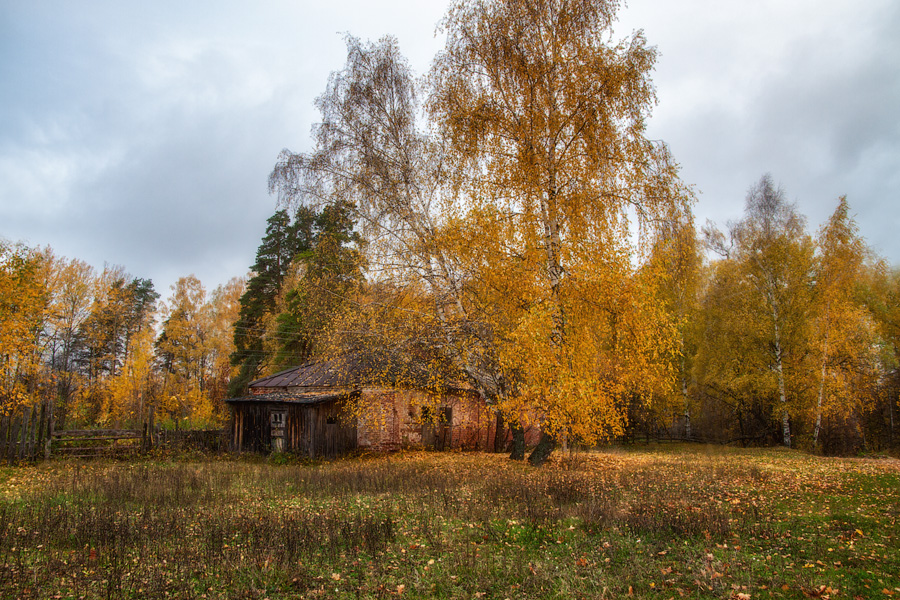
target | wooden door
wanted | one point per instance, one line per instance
(437, 435)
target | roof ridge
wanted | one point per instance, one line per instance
(307, 364)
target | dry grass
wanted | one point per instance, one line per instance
(686, 521)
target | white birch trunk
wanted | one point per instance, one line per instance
(687, 411)
(821, 394)
(779, 369)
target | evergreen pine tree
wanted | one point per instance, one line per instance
(285, 238)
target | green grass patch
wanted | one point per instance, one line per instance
(693, 522)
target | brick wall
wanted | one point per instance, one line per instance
(394, 420)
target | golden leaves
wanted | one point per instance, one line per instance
(23, 302)
(546, 121)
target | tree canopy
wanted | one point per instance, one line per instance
(502, 224)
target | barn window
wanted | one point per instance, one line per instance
(276, 429)
(331, 421)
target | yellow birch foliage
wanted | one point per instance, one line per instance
(393, 340)
(224, 310)
(184, 351)
(129, 394)
(755, 353)
(23, 300)
(547, 119)
(194, 349)
(675, 264)
(70, 286)
(845, 335)
(524, 225)
(732, 363)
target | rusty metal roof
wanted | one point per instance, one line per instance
(353, 371)
(342, 372)
(289, 398)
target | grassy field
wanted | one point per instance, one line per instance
(651, 522)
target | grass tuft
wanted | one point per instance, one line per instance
(649, 524)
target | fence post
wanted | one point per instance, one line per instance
(151, 428)
(11, 438)
(49, 439)
(4, 433)
(42, 429)
(32, 432)
(23, 431)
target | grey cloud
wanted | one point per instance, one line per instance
(812, 97)
(830, 123)
(142, 135)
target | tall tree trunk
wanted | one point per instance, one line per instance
(821, 392)
(552, 243)
(785, 417)
(542, 451)
(518, 442)
(499, 436)
(688, 434)
(891, 415)
(779, 369)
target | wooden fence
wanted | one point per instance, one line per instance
(25, 433)
(207, 440)
(91, 443)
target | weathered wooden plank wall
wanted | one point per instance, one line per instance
(24, 432)
(313, 430)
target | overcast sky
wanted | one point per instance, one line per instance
(142, 134)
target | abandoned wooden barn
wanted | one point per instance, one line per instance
(304, 410)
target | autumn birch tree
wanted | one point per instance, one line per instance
(767, 268)
(777, 257)
(548, 119)
(881, 296)
(372, 156)
(183, 351)
(845, 333)
(676, 262)
(70, 287)
(224, 310)
(23, 301)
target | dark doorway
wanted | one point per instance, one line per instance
(437, 435)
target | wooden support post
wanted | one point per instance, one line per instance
(4, 434)
(32, 432)
(50, 425)
(11, 439)
(42, 428)
(151, 427)
(26, 416)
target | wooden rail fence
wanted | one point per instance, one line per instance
(90, 443)
(207, 440)
(25, 433)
